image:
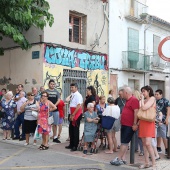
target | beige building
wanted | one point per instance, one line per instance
(74, 49)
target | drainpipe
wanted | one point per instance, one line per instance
(107, 17)
(146, 28)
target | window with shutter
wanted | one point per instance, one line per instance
(156, 58)
(133, 47)
(77, 27)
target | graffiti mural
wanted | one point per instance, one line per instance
(75, 58)
(97, 86)
(55, 78)
(57, 59)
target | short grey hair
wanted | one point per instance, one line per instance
(90, 105)
(128, 90)
(22, 92)
(111, 100)
(9, 93)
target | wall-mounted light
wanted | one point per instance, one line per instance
(151, 74)
(167, 76)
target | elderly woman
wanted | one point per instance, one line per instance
(113, 111)
(30, 120)
(90, 127)
(8, 105)
(44, 128)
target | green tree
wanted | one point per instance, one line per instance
(17, 16)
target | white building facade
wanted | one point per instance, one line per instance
(134, 37)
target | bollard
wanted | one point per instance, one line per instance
(132, 149)
(168, 154)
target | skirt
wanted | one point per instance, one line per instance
(30, 126)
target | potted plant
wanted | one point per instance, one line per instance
(143, 15)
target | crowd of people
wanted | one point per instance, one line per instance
(32, 110)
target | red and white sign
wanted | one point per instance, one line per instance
(164, 49)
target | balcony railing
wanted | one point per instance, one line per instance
(136, 11)
(157, 63)
(135, 61)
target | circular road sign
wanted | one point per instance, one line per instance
(163, 49)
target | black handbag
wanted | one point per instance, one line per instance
(107, 122)
(2, 114)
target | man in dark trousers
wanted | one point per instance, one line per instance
(75, 117)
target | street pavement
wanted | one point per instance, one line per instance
(14, 155)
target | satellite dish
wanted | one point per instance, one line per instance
(97, 39)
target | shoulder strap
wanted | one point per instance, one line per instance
(48, 109)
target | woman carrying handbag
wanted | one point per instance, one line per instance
(44, 127)
(147, 127)
(112, 111)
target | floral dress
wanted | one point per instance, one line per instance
(8, 120)
(43, 126)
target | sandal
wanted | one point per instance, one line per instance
(41, 146)
(44, 148)
(144, 166)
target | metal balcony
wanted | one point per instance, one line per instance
(157, 63)
(134, 61)
(136, 11)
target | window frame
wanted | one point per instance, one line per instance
(72, 25)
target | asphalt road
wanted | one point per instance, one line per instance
(18, 157)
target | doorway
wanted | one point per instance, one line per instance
(157, 84)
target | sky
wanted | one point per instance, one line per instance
(159, 8)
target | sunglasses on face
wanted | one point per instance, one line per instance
(32, 95)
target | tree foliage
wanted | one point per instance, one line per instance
(17, 16)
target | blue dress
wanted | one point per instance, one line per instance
(89, 127)
(8, 120)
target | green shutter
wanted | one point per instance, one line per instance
(156, 41)
(133, 47)
(133, 40)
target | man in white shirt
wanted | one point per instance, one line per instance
(75, 116)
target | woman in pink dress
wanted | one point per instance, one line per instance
(44, 128)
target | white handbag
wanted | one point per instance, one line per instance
(34, 113)
(50, 120)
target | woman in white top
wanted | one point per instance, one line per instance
(113, 111)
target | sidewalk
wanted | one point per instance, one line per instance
(163, 163)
